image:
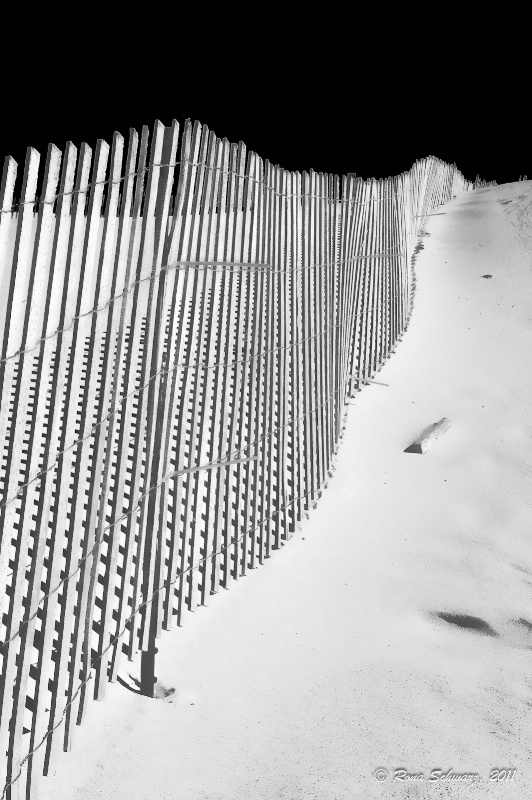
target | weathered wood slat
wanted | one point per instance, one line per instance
(83, 466)
(239, 386)
(348, 234)
(188, 354)
(113, 478)
(290, 356)
(140, 375)
(308, 363)
(323, 319)
(270, 480)
(242, 475)
(296, 351)
(153, 518)
(230, 356)
(123, 424)
(219, 353)
(199, 378)
(180, 226)
(206, 413)
(251, 472)
(355, 367)
(319, 405)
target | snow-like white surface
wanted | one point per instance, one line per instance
(327, 663)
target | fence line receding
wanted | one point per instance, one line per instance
(181, 324)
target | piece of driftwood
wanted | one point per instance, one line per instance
(367, 380)
(423, 442)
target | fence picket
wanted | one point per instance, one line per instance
(84, 478)
(270, 480)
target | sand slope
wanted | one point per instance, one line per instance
(328, 662)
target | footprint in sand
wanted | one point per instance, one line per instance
(468, 622)
(514, 632)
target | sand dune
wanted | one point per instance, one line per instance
(394, 631)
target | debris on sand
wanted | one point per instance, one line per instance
(423, 442)
(161, 692)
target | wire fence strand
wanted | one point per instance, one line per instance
(142, 605)
(168, 371)
(227, 460)
(297, 195)
(181, 265)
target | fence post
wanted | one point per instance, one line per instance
(147, 657)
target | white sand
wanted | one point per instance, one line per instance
(325, 664)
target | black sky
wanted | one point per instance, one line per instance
(340, 119)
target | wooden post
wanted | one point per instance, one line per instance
(147, 657)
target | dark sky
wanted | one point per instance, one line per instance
(338, 119)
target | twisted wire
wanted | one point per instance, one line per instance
(227, 460)
(198, 265)
(173, 368)
(142, 605)
(297, 195)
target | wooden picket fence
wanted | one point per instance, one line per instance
(478, 183)
(162, 309)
